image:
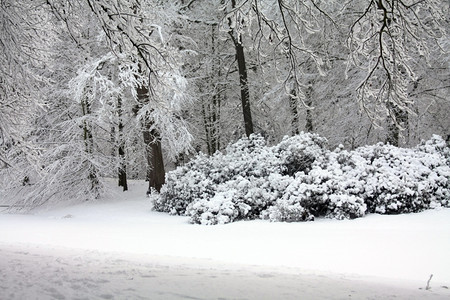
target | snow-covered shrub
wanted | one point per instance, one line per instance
(299, 180)
(323, 192)
(238, 169)
(288, 210)
(380, 178)
(298, 153)
(344, 206)
(393, 180)
(219, 209)
(238, 199)
(256, 176)
(184, 185)
(406, 180)
(248, 157)
(436, 145)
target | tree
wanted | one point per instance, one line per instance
(130, 26)
(235, 21)
(385, 39)
(24, 41)
(108, 51)
(105, 88)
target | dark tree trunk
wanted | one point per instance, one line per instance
(293, 103)
(155, 164)
(398, 122)
(215, 129)
(210, 114)
(207, 127)
(216, 98)
(245, 94)
(212, 103)
(122, 172)
(243, 78)
(89, 147)
(309, 104)
(152, 141)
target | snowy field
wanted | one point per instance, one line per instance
(117, 248)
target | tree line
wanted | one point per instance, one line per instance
(128, 88)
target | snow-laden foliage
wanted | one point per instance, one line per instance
(371, 179)
(203, 177)
(298, 153)
(237, 199)
(299, 179)
(402, 180)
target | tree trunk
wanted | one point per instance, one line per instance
(243, 78)
(309, 104)
(207, 128)
(155, 164)
(212, 103)
(398, 122)
(243, 81)
(152, 141)
(89, 147)
(215, 142)
(293, 103)
(123, 166)
(216, 98)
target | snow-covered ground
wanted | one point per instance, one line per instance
(117, 248)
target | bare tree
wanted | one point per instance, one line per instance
(134, 28)
(384, 40)
(235, 20)
(24, 40)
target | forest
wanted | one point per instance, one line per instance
(130, 89)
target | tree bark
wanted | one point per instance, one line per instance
(216, 101)
(245, 94)
(398, 122)
(293, 103)
(206, 125)
(152, 141)
(155, 164)
(243, 78)
(89, 146)
(122, 172)
(211, 104)
(309, 117)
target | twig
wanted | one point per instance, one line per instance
(428, 283)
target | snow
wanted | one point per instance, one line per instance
(118, 248)
(243, 182)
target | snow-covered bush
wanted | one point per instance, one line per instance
(436, 145)
(288, 210)
(372, 179)
(298, 153)
(299, 180)
(237, 169)
(326, 191)
(184, 185)
(406, 180)
(238, 199)
(219, 209)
